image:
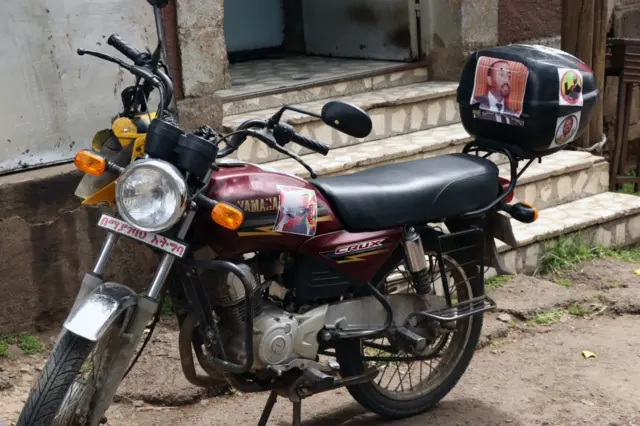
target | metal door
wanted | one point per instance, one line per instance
(253, 24)
(374, 29)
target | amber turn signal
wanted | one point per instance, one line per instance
(535, 211)
(90, 162)
(227, 216)
(523, 212)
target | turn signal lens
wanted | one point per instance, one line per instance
(227, 216)
(535, 211)
(90, 162)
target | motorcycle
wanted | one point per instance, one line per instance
(278, 284)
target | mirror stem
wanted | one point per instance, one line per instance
(162, 46)
(312, 114)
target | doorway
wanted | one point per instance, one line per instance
(281, 44)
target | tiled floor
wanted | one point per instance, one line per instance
(266, 74)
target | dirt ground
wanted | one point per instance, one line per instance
(529, 370)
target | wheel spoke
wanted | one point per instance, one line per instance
(441, 353)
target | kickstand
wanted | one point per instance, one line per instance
(266, 413)
(297, 414)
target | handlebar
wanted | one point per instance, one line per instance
(310, 143)
(147, 67)
(283, 134)
(126, 49)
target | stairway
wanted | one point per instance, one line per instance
(416, 118)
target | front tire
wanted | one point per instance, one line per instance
(59, 373)
(387, 405)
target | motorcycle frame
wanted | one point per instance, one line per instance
(99, 304)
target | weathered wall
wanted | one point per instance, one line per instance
(203, 55)
(528, 19)
(442, 39)
(48, 243)
(479, 23)
(53, 99)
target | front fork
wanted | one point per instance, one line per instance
(142, 312)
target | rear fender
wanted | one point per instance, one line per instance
(93, 316)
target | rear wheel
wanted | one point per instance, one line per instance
(401, 389)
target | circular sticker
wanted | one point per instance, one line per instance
(571, 87)
(567, 129)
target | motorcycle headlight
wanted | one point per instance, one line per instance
(151, 195)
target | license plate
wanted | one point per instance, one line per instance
(154, 240)
(503, 231)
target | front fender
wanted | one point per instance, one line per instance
(97, 312)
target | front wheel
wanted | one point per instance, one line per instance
(58, 375)
(397, 393)
(64, 392)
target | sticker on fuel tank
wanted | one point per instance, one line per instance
(297, 211)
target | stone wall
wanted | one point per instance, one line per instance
(48, 242)
(528, 19)
(204, 64)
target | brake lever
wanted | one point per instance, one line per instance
(266, 136)
(101, 55)
(137, 71)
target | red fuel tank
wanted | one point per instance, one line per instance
(282, 211)
(285, 213)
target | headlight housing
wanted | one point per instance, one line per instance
(151, 195)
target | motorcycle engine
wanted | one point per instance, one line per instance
(278, 336)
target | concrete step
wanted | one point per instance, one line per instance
(394, 111)
(608, 219)
(422, 144)
(254, 98)
(562, 177)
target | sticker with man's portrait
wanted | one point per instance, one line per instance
(566, 128)
(297, 212)
(499, 89)
(570, 91)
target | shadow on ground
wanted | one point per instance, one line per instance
(458, 412)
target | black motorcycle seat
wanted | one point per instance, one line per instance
(412, 192)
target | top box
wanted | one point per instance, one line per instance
(532, 100)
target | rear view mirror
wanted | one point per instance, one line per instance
(158, 3)
(347, 118)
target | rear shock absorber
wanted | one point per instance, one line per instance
(415, 260)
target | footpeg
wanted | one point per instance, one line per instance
(414, 340)
(317, 376)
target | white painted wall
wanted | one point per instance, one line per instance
(52, 101)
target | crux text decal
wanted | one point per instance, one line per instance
(357, 252)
